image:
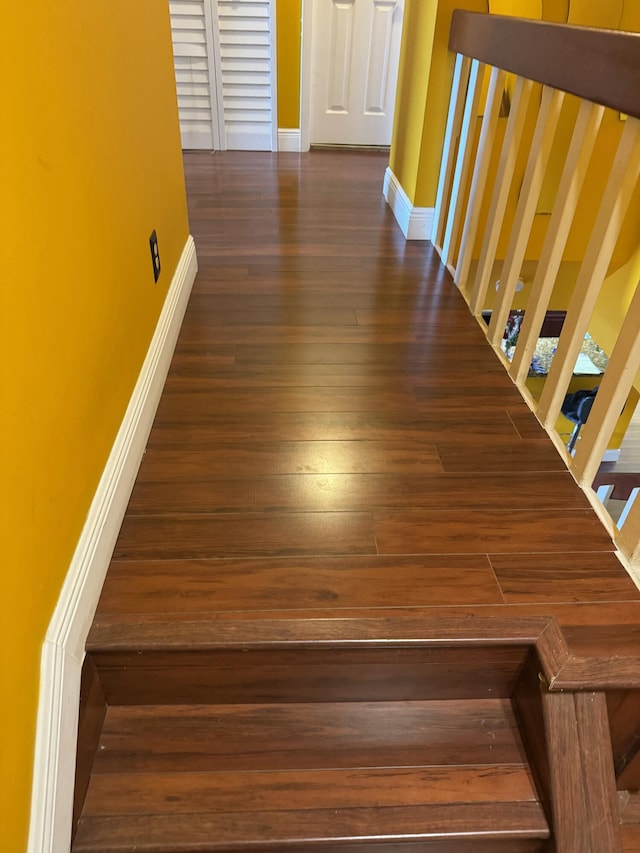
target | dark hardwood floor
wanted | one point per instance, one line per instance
(335, 434)
(342, 482)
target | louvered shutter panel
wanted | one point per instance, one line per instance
(194, 74)
(246, 60)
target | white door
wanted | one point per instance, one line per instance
(354, 70)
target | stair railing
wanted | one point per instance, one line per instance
(516, 74)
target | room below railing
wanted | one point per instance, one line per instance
(537, 210)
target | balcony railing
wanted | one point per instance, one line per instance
(539, 172)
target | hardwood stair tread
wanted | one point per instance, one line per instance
(301, 776)
(286, 829)
(296, 736)
(265, 790)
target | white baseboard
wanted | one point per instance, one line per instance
(416, 223)
(288, 140)
(611, 455)
(63, 650)
(238, 139)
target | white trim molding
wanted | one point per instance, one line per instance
(63, 650)
(288, 139)
(305, 75)
(416, 223)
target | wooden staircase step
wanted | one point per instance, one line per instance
(512, 827)
(304, 659)
(266, 790)
(406, 776)
(157, 739)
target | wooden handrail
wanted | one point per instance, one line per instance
(601, 66)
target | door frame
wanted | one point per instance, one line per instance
(215, 75)
(273, 46)
(305, 75)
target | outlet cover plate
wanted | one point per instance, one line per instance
(155, 255)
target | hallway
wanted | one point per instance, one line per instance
(335, 432)
(320, 619)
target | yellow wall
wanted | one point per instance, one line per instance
(288, 27)
(424, 79)
(421, 109)
(613, 303)
(90, 165)
(416, 54)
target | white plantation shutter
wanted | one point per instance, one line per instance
(236, 40)
(247, 56)
(195, 73)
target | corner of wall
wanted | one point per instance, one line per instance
(416, 223)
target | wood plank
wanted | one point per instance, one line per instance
(431, 825)
(291, 335)
(193, 407)
(562, 577)
(256, 790)
(199, 313)
(218, 355)
(487, 531)
(290, 457)
(192, 370)
(204, 495)
(210, 295)
(189, 586)
(347, 735)
(443, 395)
(424, 320)
(528, 427)
(451, 628)
(609, 636)
(506, 456)
(458, 624)
(363, 353)
(483, 427)
(324, 492)
(168, 537)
